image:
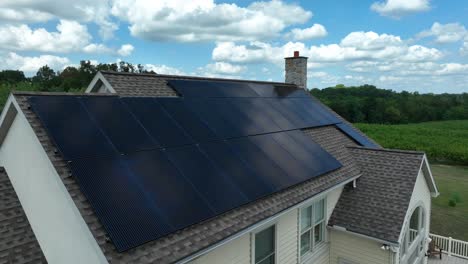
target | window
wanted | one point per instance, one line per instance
(414, 241)
(312, 226)
(265, 246)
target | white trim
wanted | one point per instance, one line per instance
(99, 77)
(264, 222)
(430, 179)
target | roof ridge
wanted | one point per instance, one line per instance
(59, 93)
(389, 150)
(193, 77)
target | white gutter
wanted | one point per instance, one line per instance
(258, 224)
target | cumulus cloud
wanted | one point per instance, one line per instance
(445, 33)
(223, 68)
(355, 46)
(164, 69)
(204, 20)
(125, 50)
(70, 36)
(31, 64)
(313, 32)
(399, 8)
(464, 48)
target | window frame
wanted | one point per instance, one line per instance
(314, 247)
(254, 233)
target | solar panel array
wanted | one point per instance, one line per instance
(152, 166)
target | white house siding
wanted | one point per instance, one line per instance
(234, 252)
(356, 249)
(421, 197)
(62, 233)
(238, 251)
(287, 229)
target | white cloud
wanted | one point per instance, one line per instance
(313, 32)
(445, 33)
(164, 69)
(31, 64)
(125, 50)
(355, 46)
(223, 68)
(464, 48)
(399, 8)
(204, 20)
(23, 11)
(70, 36)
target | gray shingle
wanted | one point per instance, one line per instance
(377, 207)
(18, 243)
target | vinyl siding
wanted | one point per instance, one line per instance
(287, 238)
(234, 252)
(356, 249)
(421, 197)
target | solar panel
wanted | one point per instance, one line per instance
(71, 127)
(363, 141)
(210, 181)
(150, 167)
(157, 122)
(120, 126)
(195, 88)
(186, 118)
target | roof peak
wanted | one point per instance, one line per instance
(192, 77)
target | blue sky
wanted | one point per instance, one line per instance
(413, 45)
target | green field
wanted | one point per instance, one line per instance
(447, 220)
(443, 141)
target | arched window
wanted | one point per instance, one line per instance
(412, 248)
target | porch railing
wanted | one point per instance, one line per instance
(451, 246)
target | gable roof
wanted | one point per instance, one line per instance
(18, 243)
(377, 206)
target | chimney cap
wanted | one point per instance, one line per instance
(296, 56)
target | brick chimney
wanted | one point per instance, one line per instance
(296, 70)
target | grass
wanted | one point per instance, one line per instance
(447, 220)
(443, 141)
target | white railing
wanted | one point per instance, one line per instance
(453, 247)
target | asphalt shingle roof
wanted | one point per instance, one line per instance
(378, 206)
(18, 243)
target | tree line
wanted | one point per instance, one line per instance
(358, 104)
(70, 79)
(369, 104)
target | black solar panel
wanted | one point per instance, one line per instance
(73, 131)
(270, 90)
(363, 141)
(194, 88)
(152, 166)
